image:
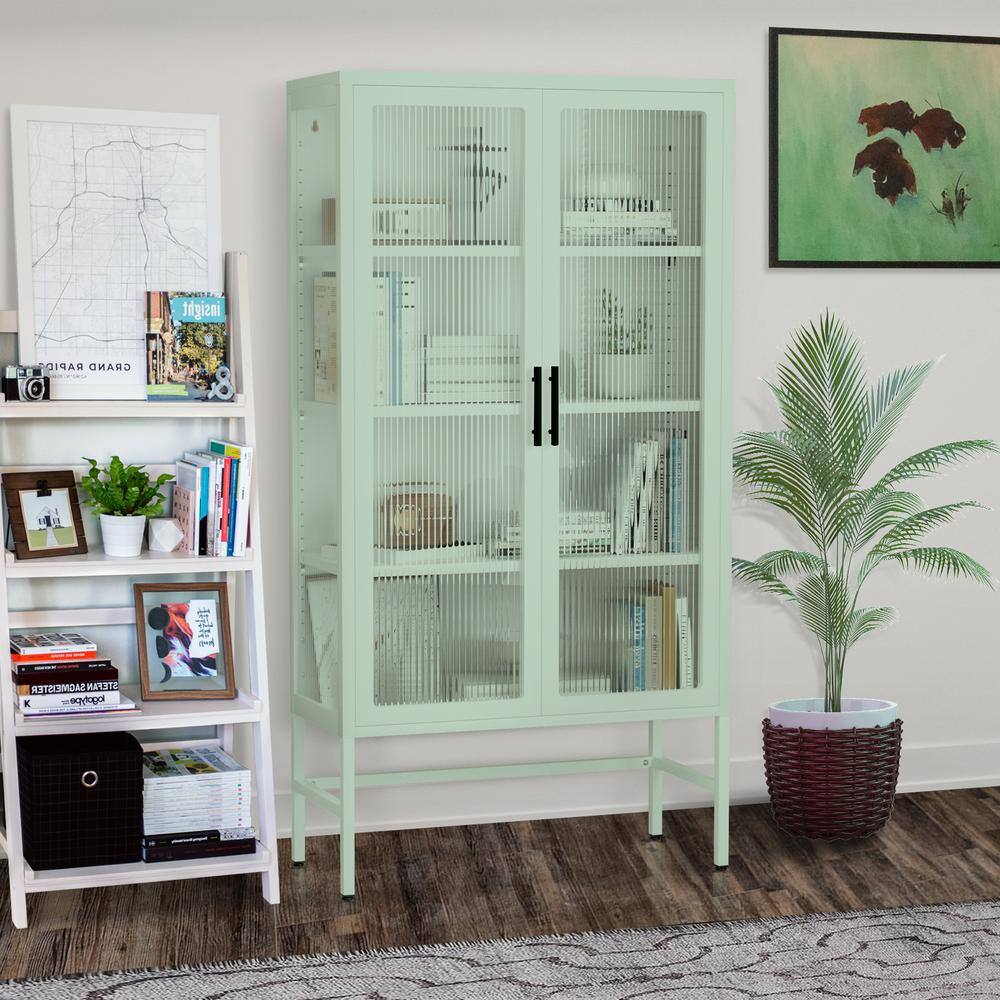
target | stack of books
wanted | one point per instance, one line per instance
(650, 507)
(399, 364)
(472, 369)
(195, 804)
(60, 673)
(212, 500)
(580, 532)
(661, 648)
(617, 221)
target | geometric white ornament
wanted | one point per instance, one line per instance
(165, 534)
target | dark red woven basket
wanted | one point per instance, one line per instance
(832, 784)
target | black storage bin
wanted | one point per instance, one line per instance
(81, 799)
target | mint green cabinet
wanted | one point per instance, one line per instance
(510, 307)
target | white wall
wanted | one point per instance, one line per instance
(940, 662)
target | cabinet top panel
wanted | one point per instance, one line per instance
(520, 81)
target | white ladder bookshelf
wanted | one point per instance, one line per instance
(244, 577)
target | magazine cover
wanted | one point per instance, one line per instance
(186, 347)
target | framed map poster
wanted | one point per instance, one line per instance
(107, 206)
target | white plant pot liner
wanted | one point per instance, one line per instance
(807, 713)
(122, 535)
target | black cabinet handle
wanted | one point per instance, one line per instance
(554, 405)
(536, 427)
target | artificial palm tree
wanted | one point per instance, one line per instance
(835, 426)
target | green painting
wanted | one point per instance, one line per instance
(885, 150)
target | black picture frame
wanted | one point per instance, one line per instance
(774, 258)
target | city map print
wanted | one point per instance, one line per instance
(115, 210)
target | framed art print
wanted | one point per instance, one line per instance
(43, 514)
(883, 150)
(185, 646)
(107, 206)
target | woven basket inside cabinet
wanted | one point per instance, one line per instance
(830, 784)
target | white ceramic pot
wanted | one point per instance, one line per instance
(123, 535)
(622, 376)
(857, 713)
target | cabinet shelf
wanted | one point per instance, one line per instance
(446, 250)
(97, 563)
(447, 410)
(656, 250)
(154, 715)
(135, 872)
(637, 559)
(506, 566)
(631, 406)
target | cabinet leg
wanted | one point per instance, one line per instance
(721, 799)
(298, 800)
(655, 781)
(347, 816)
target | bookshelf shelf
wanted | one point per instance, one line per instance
(97, 563)
(102, 582)
(618, 359)
(122, 409)
(154, 715)
(261, 861)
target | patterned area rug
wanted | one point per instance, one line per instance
(926, 953)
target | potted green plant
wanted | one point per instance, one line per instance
(124, 496)
(832, 762)
(622, 362)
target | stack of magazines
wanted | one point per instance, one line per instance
(195, 804)
(61, 673)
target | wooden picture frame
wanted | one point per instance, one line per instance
(170, 637)
(864, 170)
(39, 507)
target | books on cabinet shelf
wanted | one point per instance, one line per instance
(660, 628)
(650, 504)
(212, 499)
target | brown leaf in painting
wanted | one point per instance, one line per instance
(891, 171)
(898, 115)
(935, 127)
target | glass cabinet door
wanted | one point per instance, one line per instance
(632, 235)
(445, 210)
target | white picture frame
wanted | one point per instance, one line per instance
(95, 304)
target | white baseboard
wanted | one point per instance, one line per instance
(930, 767)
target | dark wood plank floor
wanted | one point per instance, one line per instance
(515, 879)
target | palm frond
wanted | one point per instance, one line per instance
(887, 403)
(823, 606)
(874, 510)
(907, 532)
(747, 571)
(945, 562)
(865, 620)
(821, 390)
(931, 461)
(774, 473)
(783, 562)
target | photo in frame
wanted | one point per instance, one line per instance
(43, 513)
(184, 640)
(883, 149)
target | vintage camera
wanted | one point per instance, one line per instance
(27, 383)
